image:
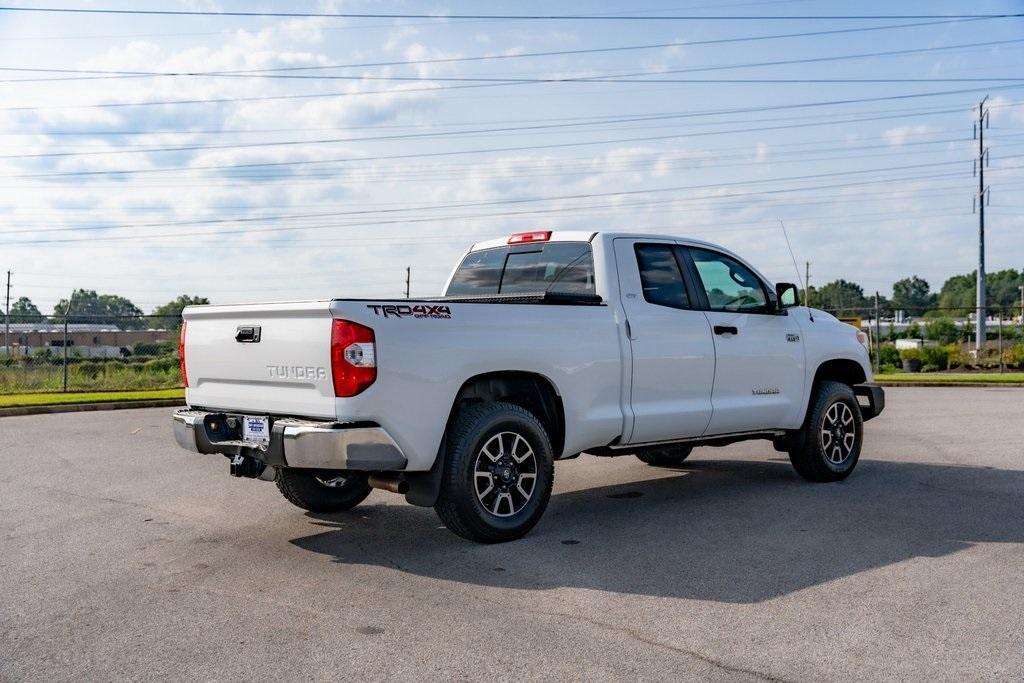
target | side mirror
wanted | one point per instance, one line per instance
(787, 295)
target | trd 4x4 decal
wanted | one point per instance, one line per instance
(406, 311)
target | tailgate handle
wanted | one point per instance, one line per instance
(248, 334)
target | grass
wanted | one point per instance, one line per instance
(959, 378)
(28, 375)
(13, 400)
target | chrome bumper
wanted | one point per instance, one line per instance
(294, 442)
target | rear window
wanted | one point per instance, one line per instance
(553, 266)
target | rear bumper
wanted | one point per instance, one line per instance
(298, 443)
(876, 399)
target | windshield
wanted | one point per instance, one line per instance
(552, 266)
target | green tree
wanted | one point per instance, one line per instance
(913, 295)
(24, 311)
(107, 309)
(841, 297)
(1001, 291)
(172, 310)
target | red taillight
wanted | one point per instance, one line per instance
(181, 354)
(536, 236)
(353, 357)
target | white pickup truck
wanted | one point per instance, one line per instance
(545, 345)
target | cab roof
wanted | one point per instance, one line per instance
(590, 236)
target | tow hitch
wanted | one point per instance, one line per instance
(250, 468)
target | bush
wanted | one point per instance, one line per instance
(154, 348)
(888, 355)
(942, 330)
(958, 358)
(910, 354)
(1015, 356)
(913, 331)
(934, 358)
(162, 364)
(88, 368)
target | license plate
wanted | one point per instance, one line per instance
(255, 429)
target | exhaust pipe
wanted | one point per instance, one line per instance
(388, 482)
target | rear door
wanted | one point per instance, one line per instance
(760, 361)
(673, 355)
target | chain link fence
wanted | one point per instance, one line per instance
(89, 353)
(940, 339)
(122, 353)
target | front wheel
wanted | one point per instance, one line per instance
(827, 447)
(498, 473)
(322, 491)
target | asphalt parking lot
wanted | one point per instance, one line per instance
(126, 557)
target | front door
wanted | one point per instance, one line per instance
(759, 375)
(673, 355)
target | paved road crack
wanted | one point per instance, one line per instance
(640, 638)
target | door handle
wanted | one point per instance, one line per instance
(726, 329)
(247, 334)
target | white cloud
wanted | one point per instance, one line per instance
(900, 134)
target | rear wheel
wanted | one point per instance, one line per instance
(322, 491)
(827, 448)
(668, 456)
(498, 473)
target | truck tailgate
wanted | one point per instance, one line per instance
(267, 359)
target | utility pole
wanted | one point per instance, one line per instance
(1021, 288)
(408, 272)
(66, 311)
(979, 134)
(807, 283)
(878, 336)
(7, 318)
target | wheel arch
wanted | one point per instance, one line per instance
(529, 390)
(845, 370)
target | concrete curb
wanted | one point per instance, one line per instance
(86, 407)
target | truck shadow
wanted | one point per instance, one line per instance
(729, 531)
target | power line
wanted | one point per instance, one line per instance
(436, 207)
(509, 80)
(262, 218)
(278, 72)
(507, 17)
(595, 119)
(552, 198)
(689, 163)
(464, 86)
(304, 162)
(437, 134)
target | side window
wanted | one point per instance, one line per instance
(730, 285)
(660, 277)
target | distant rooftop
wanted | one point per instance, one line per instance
(59, 327)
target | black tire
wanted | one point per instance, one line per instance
(502, 513)
(828, 445)
(322, 491)
(669, 456)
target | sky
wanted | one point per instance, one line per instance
(339, 151)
